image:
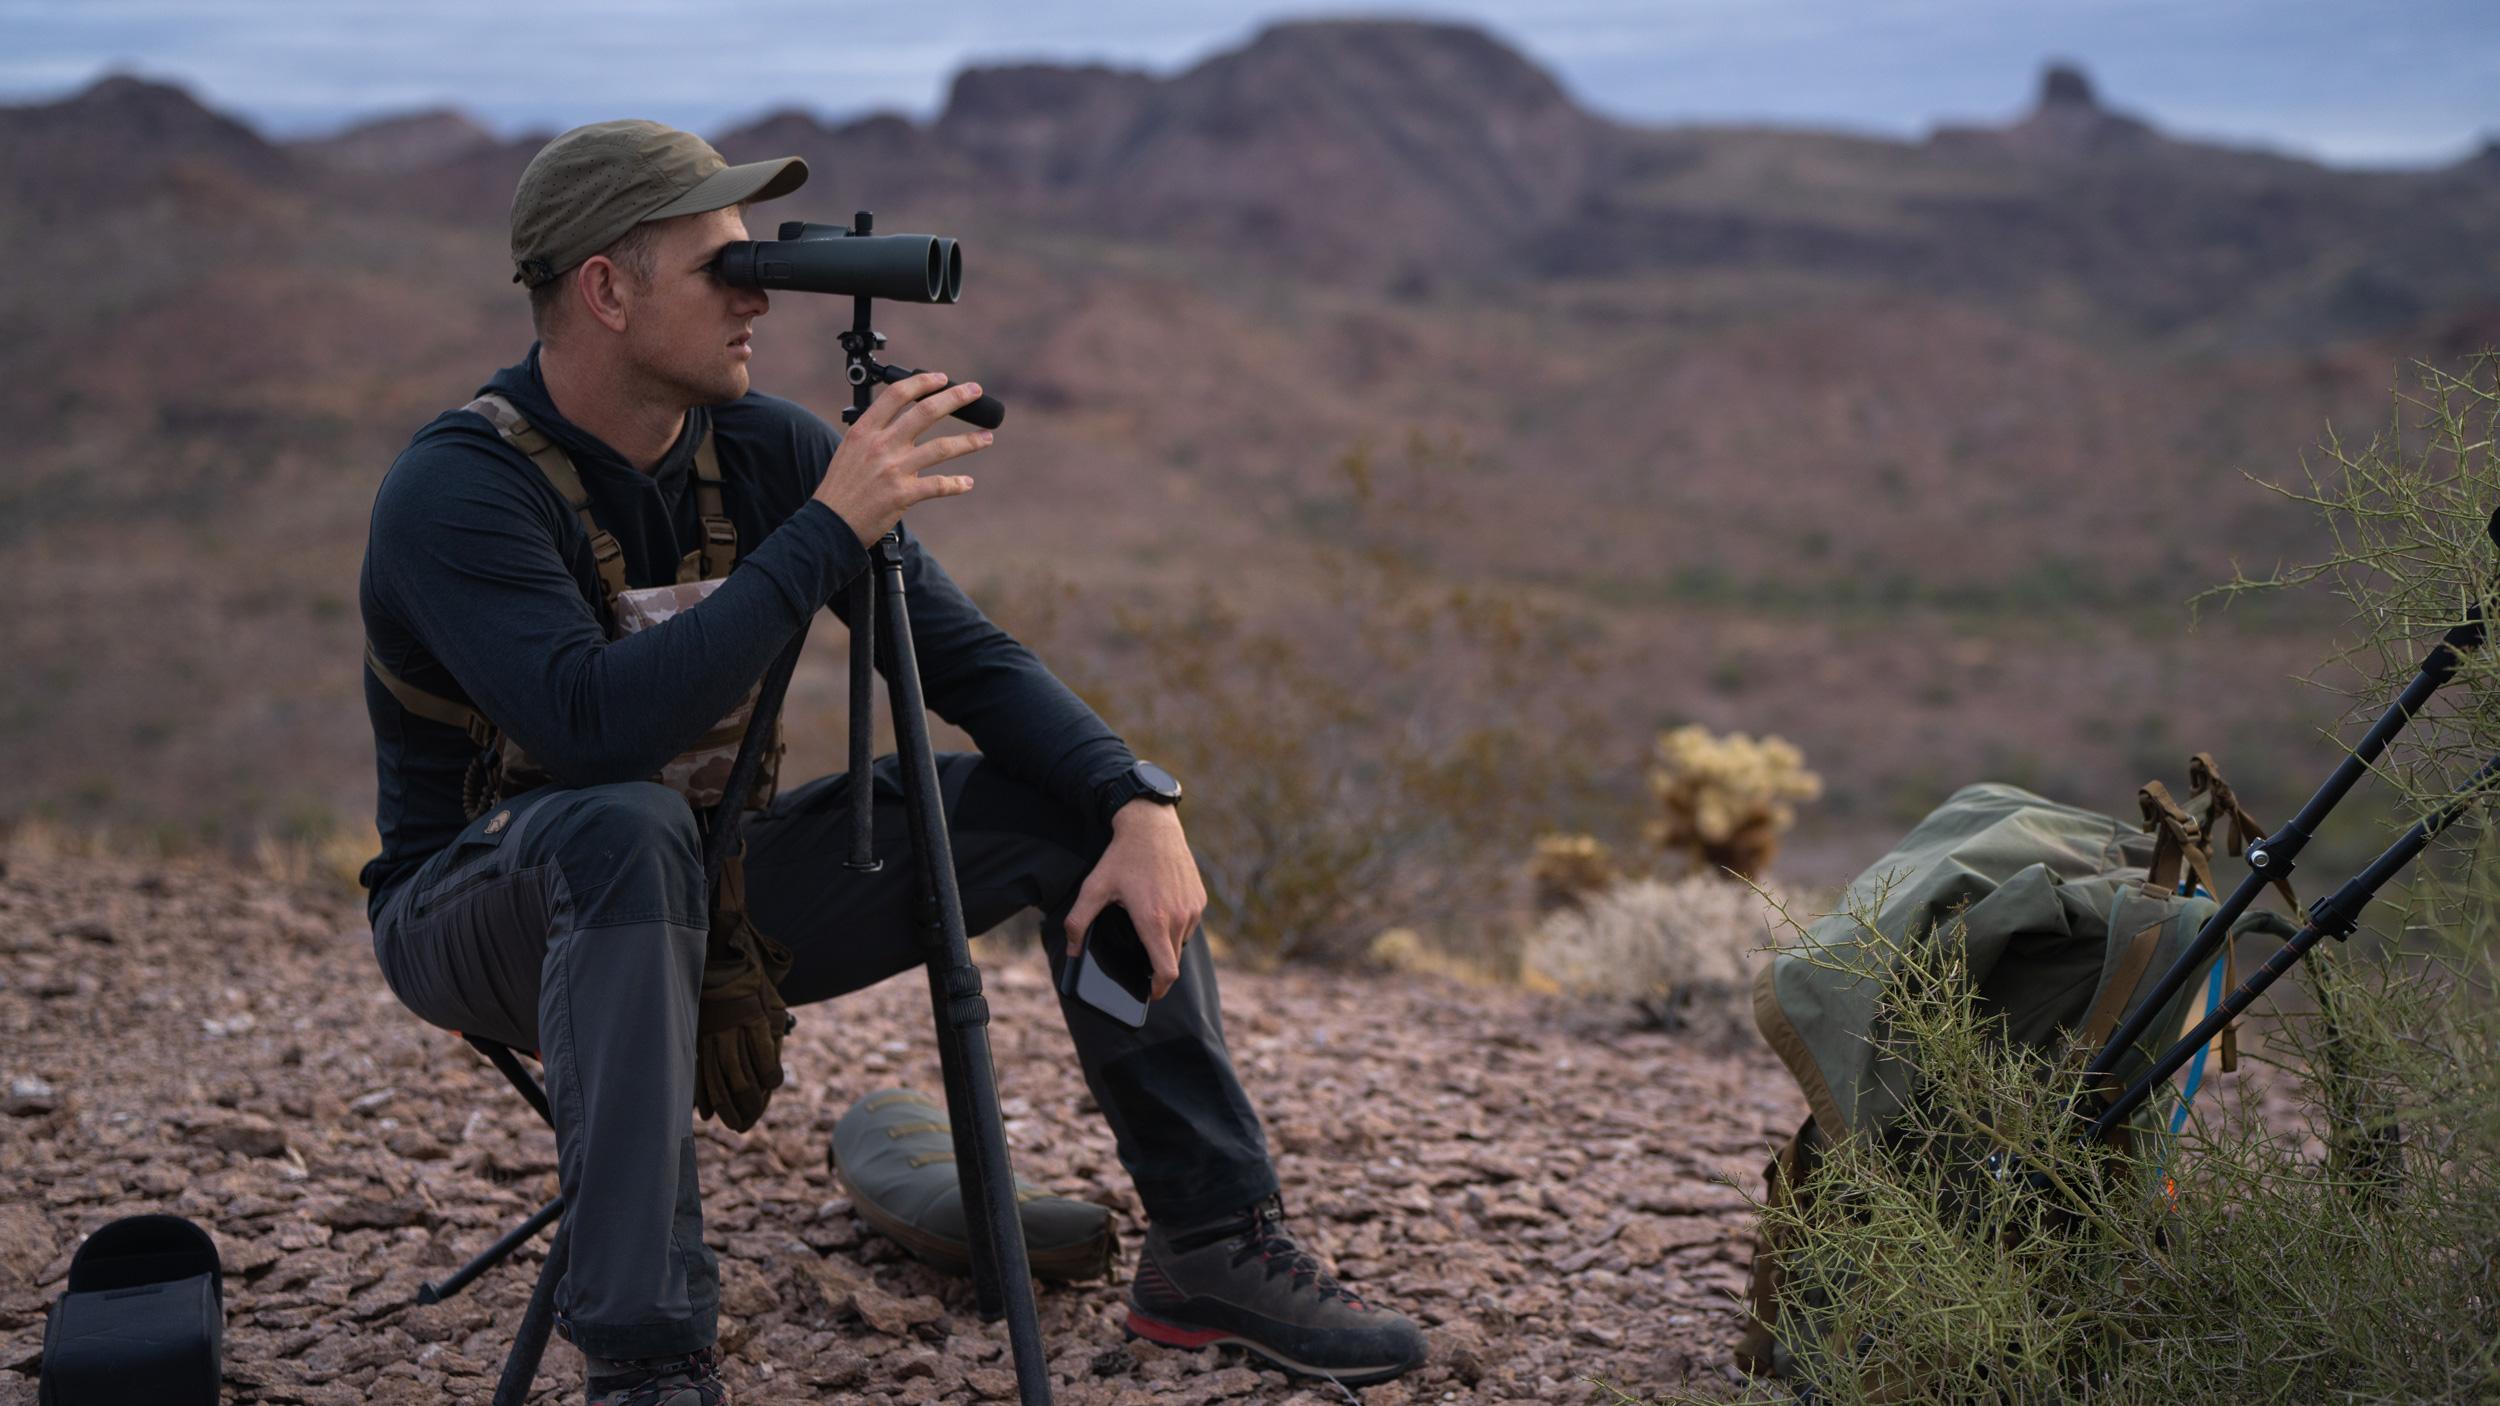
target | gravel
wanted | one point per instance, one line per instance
(1553, 1194)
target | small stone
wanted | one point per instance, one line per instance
(364, 1213)
(248, 1134)
(27, 1243)
(29, 1095)
(86, 930)
(1598, 1334)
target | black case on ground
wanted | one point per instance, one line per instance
(143, 1318)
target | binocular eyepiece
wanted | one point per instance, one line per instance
(814, 258)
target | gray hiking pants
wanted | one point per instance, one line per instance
(573, 922)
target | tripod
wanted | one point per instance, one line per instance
(1002, 1278)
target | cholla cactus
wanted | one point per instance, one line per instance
(1680, 951)
(1726, 800)
(1569, 868)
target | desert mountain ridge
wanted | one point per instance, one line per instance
(1405, 152)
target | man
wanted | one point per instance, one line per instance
(571, 918)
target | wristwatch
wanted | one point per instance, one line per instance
(1145, 781)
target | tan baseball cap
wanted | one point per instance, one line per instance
(585, 189)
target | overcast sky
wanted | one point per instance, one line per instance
(2343, 80)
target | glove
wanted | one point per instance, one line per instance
(741, 1021)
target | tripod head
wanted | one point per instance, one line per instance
(864, 266)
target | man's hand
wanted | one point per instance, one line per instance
(1148, 871)
(876, 473)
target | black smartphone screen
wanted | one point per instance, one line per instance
(1111, 972)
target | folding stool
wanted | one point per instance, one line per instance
(529, 1341)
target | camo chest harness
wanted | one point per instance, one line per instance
(501, 767)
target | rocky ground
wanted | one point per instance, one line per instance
(1548, 1190)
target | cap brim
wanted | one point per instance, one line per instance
(757, 180)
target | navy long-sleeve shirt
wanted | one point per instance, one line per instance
(478, 586)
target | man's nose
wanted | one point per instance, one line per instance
(751, 302)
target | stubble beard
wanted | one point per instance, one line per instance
(688, 385)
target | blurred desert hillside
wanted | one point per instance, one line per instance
(1911, 453)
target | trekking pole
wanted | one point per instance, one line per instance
(2335, 916)
(2275, 857)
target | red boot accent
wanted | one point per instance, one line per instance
(1171, 1335)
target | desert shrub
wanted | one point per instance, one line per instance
(2236, 1265)
(1373, 754)
(1567, 870)
(1682, 952)
(1980, 1251)
(1724, 802)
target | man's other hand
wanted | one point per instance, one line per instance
(876, 472)
(1148, 871)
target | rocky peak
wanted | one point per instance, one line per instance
(399, 143)
(1041, 122)
(2063, 85)
(1361, 142)
(2068, 121)
(111, 141)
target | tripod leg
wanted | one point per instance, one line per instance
(433, 1292)
(963, 1013)
(989, 1294)
(863, 855)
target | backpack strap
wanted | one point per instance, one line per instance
(2205, 776)
(2181, 839)
(719, 549)
(557, 466)
(2178, 840)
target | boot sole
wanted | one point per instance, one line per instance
(1152, 1329)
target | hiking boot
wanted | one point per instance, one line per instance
(896, 1153)
(1244, 1281)
(662, 1381)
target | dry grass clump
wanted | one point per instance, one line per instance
(1724, 802)
(1681, 950)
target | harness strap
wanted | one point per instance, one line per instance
(557, 467)
(431, 707)
(719, 550)
(503, 759)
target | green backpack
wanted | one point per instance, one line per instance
(2063, 916)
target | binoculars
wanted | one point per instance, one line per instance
(814, 258)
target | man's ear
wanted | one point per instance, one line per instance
(604, 291)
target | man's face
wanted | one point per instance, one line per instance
(687, 330)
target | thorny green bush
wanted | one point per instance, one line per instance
(2255, 1259)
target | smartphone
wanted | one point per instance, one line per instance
(1110, 971)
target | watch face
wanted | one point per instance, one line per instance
(1158, 782)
